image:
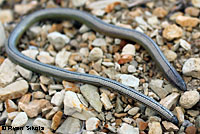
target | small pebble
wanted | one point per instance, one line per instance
(172, 32)
(160, 12)
(95, 54)
(170, 55)
(20, 120)
(196, 3)
(45, 57)
(192, 11)
(78, 3)
(58, 97)
(99, 42)
(58, 39)
(185, 44)
(189, 99)
(25, 8)
(192, 67)
(129, 80)
(186, 21)
(106, 102)
(6, 16)
(62, 58)
(133, 111)
(155, 128)
(170, 126)
(170, 100)
(127, 129)
(129, 49)
(92, 123)
(91, 94)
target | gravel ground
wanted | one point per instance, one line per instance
(38, 104)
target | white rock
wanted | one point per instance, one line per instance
(25, 8)
(58, 97)
(106, 102)
(98, 12)
(27, 74)
(95, 54)
(42, 122)
(131, 69)
(62, 58)
(141, 21)
(129, 80)
(170, 100)
(32, 53)
(91, 94)
(7, 72)
(92, 123)
(2, 35)
(71, 103)
(45, 57)
(127, 129)
(84, 115)
(155, 128)
(70, 126)
(78, 3)
(84, 51)
(156, 86)
(133, 111)
(84, 29)
(103, 3)
(185, 44)
(12, 115)
(20, 120)
(6, 16)
(45, 80)
(108, 64)
(170, 126)
(58, 39)
(153, 20)
(189, 99)
(82, 99)
(14, 90)
(35, 30)
(128, 120)
(192, 67)
(129, 49)
(170, 55)
(196, 3)
(99, 42)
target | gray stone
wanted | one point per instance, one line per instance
(42, 123)
(70, 126)
(20, 120)
(99, 42)
(189, 99)
(14, 90)
(27, 74)
(129, 80)
(91, 94)
(156, 86)
(127, 129)
(170, 100)
(62, 58)
(95, 54)
(192, 67)
(7, 72)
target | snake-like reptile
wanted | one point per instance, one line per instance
(107, 29)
